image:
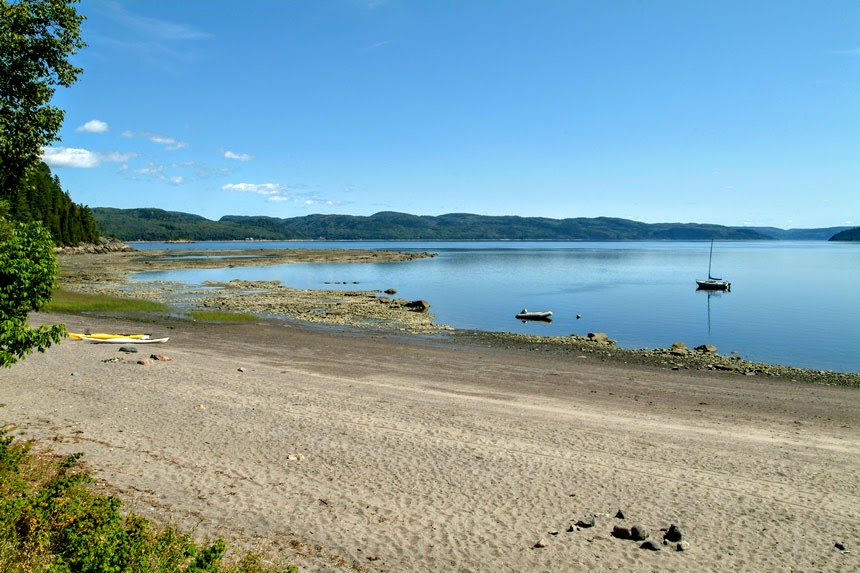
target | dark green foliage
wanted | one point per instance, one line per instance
(161, 225)
(36, 39)
(28, 268)
(847, 235)
(50, 520)
(132, 224)
(42, 199)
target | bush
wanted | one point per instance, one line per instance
(50, 520)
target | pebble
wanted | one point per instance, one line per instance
(682, 546)
(160, 357)
(587, 521)
(619, 515)
(651, 545)
(240, 369)
(145, 362)
(840, 546)
(76, 373)
(541, 543)
(129, 349)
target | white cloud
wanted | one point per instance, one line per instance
(150, 170)
(169, 143)
(239, 156)
(258, 188)
(158, 29)
(83, 158)
(279, 193)
(94, 126)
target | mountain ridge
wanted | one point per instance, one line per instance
(153, 224)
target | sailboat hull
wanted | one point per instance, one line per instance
(713, 284)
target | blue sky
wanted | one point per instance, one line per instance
(730, 112)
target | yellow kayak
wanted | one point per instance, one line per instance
(105, 336)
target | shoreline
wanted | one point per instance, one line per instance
(370, 310)
(356, 450)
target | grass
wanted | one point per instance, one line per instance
(69, 302)
(76, 302)
(52, 520)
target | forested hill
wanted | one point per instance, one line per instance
(160, 225)
(847, 235)
(822, 234)
(42, 199)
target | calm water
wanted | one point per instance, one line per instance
(795, 303)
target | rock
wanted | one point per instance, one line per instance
(600, 337)
(840, 546)
(651, 545)
(146, 362)
(682, 546)
(200, 407)
(674, 533)
(240, 369)
(390, 291)
(620, 532)
(417, 305)
(679, 349)
(706, 349)
(129, 349)
(553, 532)
(587, 521)
(619, 515)
(639, 532)
(76, 373)
(541, 543)
(160, 357)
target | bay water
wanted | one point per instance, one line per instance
(791, 302)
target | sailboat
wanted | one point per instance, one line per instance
(713, 283)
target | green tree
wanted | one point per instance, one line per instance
(37, 37)
(28, 268)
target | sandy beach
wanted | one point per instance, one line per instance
(367, 452)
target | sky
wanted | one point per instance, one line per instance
(732, 112)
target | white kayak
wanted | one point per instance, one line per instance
(122, 340)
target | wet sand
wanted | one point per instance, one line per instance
(374, 452)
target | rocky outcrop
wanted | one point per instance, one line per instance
(105, 245)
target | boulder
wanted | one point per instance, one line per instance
(601, 338)
(620, 532)
(679, 349)
(417, 305)
(674, 533)
(639, 532)
(706, 349)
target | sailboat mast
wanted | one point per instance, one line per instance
(711, 256)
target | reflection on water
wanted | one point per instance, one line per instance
(791, 302)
